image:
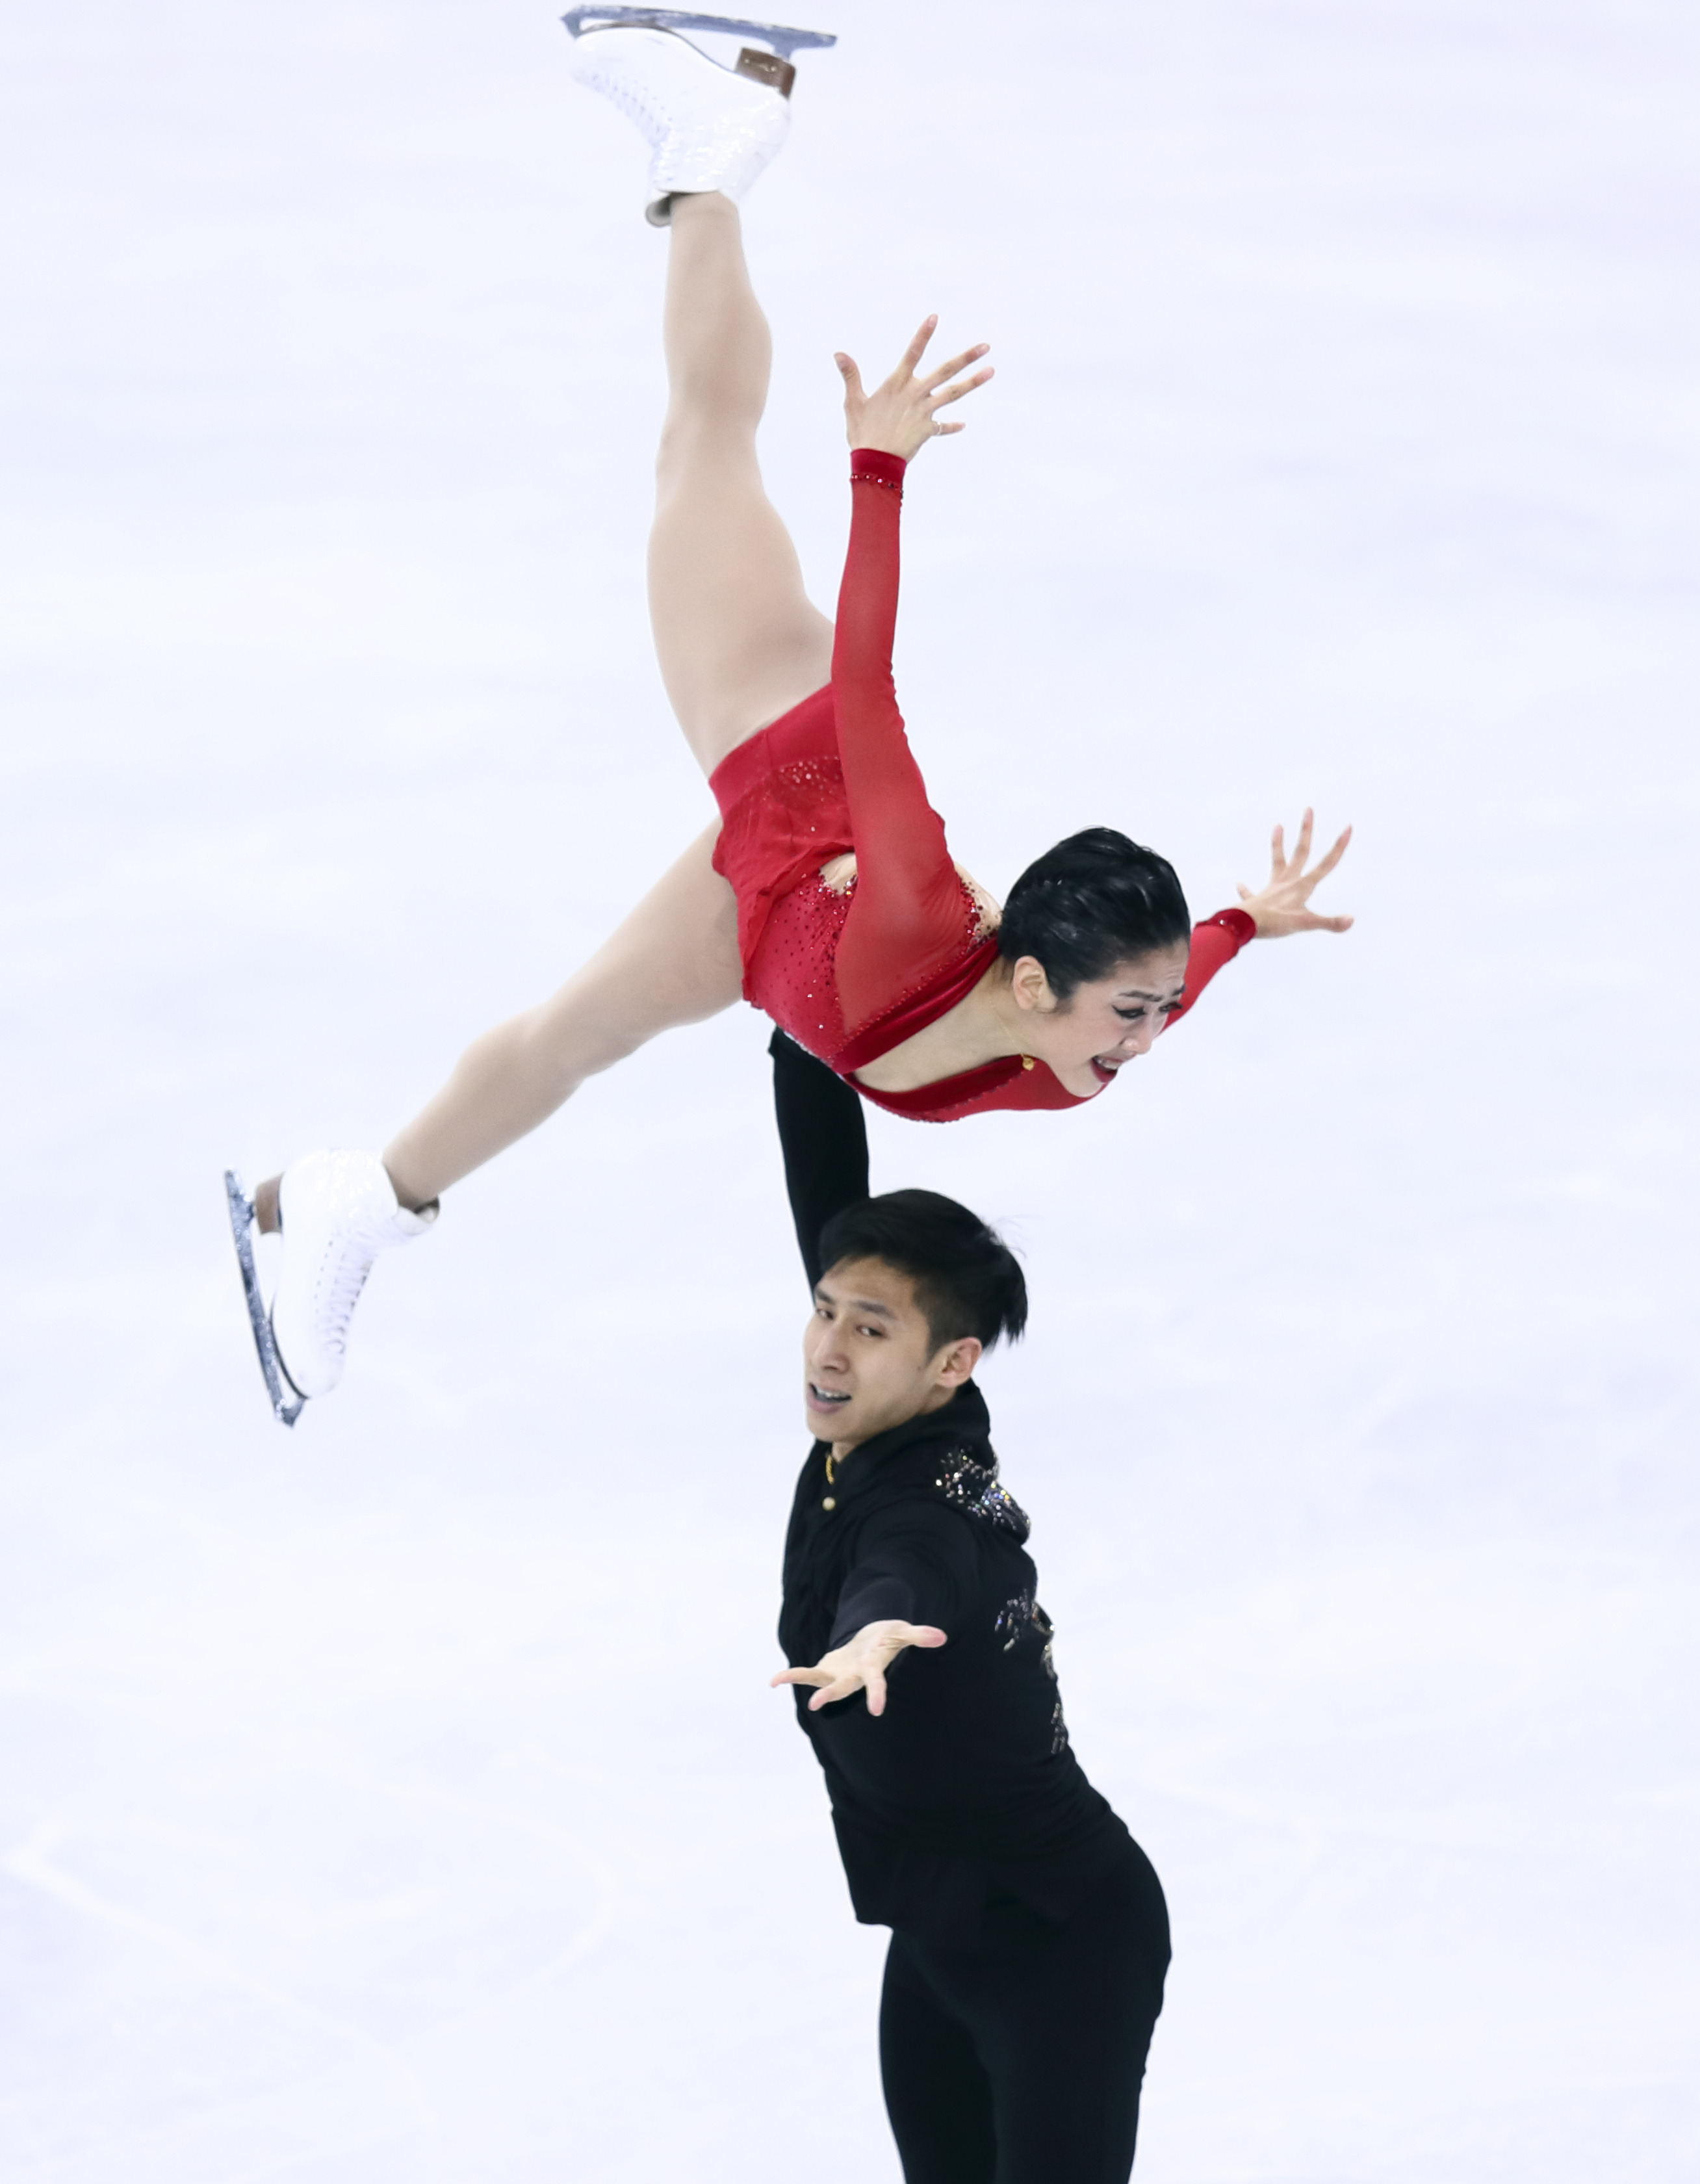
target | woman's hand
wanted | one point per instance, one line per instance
(898, 418)
(1283, 906)
(860, 1664)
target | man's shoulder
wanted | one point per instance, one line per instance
(962, 1526)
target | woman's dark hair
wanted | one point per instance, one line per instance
(966, 1277)
(1095, 901)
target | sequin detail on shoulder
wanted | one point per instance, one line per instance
(973, 1487)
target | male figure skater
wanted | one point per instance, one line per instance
(1029, 1936)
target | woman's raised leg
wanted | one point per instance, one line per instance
(739, 644)
(737, 639)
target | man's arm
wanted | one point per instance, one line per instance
(915, 1577)
(824, 1137)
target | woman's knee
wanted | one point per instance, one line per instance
(707, 471)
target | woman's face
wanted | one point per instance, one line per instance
(1101, 1027)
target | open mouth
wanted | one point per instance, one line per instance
(827, 1399)
(1105, 1071)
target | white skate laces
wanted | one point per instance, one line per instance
(709, 125)
(338, 1210)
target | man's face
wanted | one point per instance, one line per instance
(869, 1361)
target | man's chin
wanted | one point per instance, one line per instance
(826, 1421)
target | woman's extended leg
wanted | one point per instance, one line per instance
(737, 639)
(674, 960)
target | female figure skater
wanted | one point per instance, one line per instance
(826, 892)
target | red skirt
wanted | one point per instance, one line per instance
(783, 814)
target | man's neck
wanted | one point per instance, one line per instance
(937, 1400)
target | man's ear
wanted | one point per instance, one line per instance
(956, 1362)
(1029, 986)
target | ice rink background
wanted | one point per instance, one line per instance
(403, 1799)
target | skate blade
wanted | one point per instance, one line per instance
(783, 41)
(286, 1409)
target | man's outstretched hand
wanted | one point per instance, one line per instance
(860, 1664)
(1282, 905)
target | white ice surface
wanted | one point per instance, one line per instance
(402, 1799)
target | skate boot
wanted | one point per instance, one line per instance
(337, 1211)
(709, 125)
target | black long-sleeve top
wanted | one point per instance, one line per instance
(966, 1784)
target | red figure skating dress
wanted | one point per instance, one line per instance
(851, 975)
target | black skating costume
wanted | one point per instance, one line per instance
(1029, 1936)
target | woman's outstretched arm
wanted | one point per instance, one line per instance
(907, 914)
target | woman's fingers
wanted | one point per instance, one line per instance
(851, 376)
(1306, 881)
(963, 386)
(875, 1684)
(1289, 871)
(936, 378)
(954, 394)
(1333, 857)
(917, 347)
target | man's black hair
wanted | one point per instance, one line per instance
(1095, 901)
(967, 1279)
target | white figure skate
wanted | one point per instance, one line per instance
(709, 127)
(337, 1211)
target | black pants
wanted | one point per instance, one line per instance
(1019, 2061)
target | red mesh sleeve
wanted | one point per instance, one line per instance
(1215, 941)
(906, 917)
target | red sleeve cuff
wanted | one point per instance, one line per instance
(1240, 924)
(874, 466)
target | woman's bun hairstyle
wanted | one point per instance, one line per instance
(1095, 901)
